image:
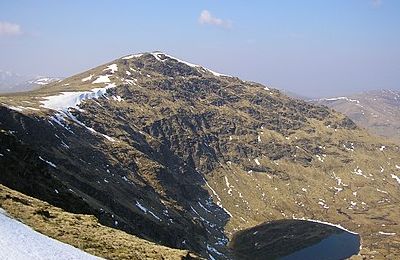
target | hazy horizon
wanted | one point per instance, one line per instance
(310, 48)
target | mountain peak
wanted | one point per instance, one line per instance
(131, 70)
(174, 153)
(162, 57)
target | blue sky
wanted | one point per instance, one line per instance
(311, 47)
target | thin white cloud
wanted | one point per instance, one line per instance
(207, 18)
(376, 3)
(11, 29)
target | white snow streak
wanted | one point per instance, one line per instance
(386, 234)
(228, 185)
(132, 56)
(359, 172)
(141, 207)
(48, 162)
(145, 210)
(155, 54)
(396, 178)
(218, 198)
(117, 98)
(329, 224)
(17, 108)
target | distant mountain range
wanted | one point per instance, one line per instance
(14, 82)
(377, 110)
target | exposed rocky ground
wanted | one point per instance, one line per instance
(184, 157)
(377, 111)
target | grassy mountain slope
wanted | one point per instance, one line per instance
(183, 156)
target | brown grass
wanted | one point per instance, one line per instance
(82, 231)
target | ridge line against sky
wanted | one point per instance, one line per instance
(313, 48)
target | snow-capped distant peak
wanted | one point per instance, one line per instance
(44, 80)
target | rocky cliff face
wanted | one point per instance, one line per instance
(184, 156)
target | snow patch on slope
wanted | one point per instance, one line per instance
(19, 241)
(87, 78)
(112, 68)
(67, 100)
(102, 79)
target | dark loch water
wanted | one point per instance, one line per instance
(294, 240)
(335, 246)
